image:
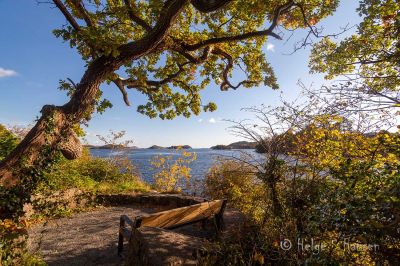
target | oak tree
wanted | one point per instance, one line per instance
(167, 50)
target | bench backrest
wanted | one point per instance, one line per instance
(173, 218)
(181, 216)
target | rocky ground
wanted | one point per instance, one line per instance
(88, 238)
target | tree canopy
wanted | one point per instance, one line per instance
(199, 48)
(371, 56)
(167, 50)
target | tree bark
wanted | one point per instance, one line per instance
(53, 128)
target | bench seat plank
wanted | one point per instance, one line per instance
(180, 216)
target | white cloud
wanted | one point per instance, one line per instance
(270, 47)
(212, 120)
(200, 120)
(7, 72)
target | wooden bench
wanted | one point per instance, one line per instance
(173, 219)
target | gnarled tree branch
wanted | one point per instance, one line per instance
(226, 84)
(136, 18)
(206, 6)
(83, 12)
(119, 82)
(152, 85)
(244, 36)
(67, 15)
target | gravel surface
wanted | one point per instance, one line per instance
(88, 238)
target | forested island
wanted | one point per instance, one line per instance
(236, 146)
(111, 147)
(184, 147)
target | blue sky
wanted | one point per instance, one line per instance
(32, 61)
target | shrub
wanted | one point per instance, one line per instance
(173, 175)
(248, 190)
(13, 249)
(115, 174)
(236, 182)
(339, 189)
(7, 142)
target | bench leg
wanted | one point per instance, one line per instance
(120, 244)
(219, 224)
(121, 236)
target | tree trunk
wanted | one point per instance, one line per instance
(53, 129)
(276, 205)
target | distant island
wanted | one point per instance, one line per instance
(233, 146)
(155, 147)
(236, 146)
(110, 146)
(185, 147)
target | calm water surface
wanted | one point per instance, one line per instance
(142, 158)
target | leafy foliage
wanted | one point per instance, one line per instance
(200, 47)
(361, 195)
(13, 250)
(371, 55)
(173, 175)
(7, 142)
(113, 174)
(12, 234)
(337, 186)
(93, 175)
(236, 182)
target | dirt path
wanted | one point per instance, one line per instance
(85, 239)
(90, 238)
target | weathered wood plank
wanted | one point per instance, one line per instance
(181, 216)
